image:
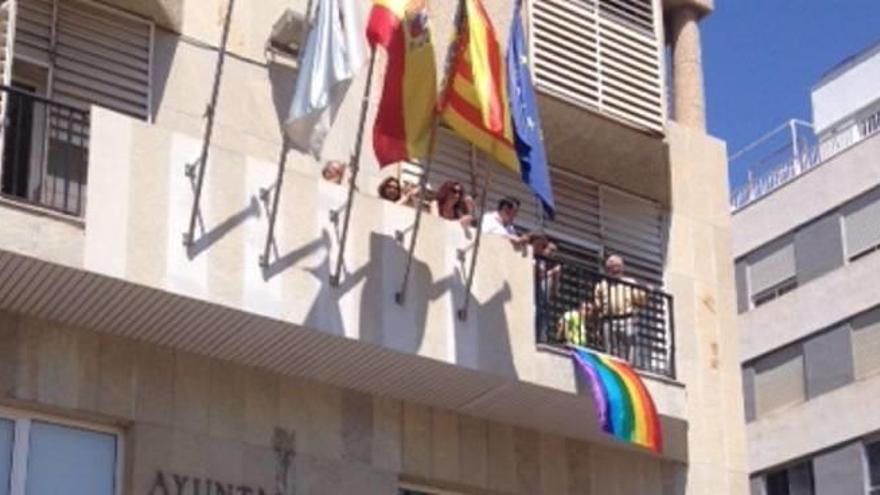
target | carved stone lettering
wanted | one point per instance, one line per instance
(159, 484)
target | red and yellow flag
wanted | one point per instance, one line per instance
(474, 102)
(403, 123)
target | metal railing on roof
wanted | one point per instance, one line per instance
(788, 152)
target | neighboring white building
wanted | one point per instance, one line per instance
(807, 254)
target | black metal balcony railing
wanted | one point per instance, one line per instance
(44, 152)
(575, 305)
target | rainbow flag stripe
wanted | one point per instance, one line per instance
(624, 407)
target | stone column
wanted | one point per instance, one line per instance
(687, 68)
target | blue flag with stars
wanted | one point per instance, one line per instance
(524, 114)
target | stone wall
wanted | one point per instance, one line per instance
(191, 420)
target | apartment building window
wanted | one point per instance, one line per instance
(45, 456)
(779, 379)
(771, 271)
(866, 343)
(793, 480)
(861, 222)
(872, 453)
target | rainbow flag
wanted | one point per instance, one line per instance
(624, 407)
(475, 103)
(405, 116)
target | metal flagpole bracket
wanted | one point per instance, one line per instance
(272, 209)
(355, 165)
(400, 295)
(190, 170)
(463, 311)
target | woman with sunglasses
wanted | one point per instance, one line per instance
(452, 203)
(391, 190)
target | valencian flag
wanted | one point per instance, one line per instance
(474, 102)
(524, 114)
(405, 116)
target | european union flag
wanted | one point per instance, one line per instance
(524, 114)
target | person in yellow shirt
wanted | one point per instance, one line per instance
(616, 300)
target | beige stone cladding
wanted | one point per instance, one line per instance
(187, 418)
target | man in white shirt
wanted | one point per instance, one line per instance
(500, 222)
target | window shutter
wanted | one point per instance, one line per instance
(633, 228)
(600, 54)
(866, 343)
(779, 380)
(102, 58)
(771, 265)
(862, 224)
(33, 29)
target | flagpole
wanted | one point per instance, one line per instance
(209, 127)
(273, 213)
(355, 168)
(400, 295)
(463, 312)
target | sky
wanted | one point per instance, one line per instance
(762, 57)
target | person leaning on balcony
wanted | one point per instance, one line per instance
(390, 190)
(616, 299)
(452, 203)
(547, 278)
(333, 171)
(500, 222)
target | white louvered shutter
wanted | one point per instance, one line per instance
(102, 57)
(862, 224)
(603, 55)
(33, 30)
(633, 228)
(866, 343)
(772, 265)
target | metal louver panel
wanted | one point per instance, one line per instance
(33, 26)
(602, 55)
(862, 224)
(589, 217)
(866, 343)
(102, 58)
(633, 228)
(771, 265)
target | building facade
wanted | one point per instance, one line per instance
(131, 363)
(805, 244)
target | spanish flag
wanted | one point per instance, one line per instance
(475, 102)
(405, 116)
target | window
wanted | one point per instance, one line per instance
(66, 56)
(771, 271)
(45, 456)
(862, 225)
(872, 452)
(793, 480)
(866, 343)
(779, 379)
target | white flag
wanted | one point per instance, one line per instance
(333, 55)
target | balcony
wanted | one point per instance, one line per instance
(576, 305)
(45, 151)
(137, 280)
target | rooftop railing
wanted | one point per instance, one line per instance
(788, 152)
(44, 152)
(620, 317)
